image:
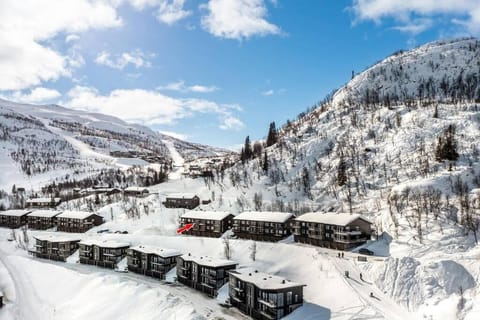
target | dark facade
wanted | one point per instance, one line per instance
(336, 231)
(77, 221)
(105, 254)
(207, 224)
(263, 296)
(263, 226)
(136, 192)
(152, 261)
(204, 274)
(13, 218)
(42, 219)
(42, 202)
(182, 201)
(54, 248)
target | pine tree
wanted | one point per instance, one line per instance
(265, 162)
(247, 149)
(272, 137)
(447, 146)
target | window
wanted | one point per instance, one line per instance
(289, 298)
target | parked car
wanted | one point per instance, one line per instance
(366, 251)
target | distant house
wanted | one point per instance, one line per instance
(136, 191)
(77, 221)
(42, 202)
(13, 218)
(263, 296)
(105, 254)
(186, 201)
(107, 191)
(42, 219)
(152, 261)
(203, 273)
(264, 226)
(341, 231)
(207, 223)
(57, 248)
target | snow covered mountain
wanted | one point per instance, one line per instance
(43, 142)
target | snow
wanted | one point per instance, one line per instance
(44, 213)
(181, 195)
(171, 275)
(337, 219)
(75, 214)
(15, 213)
(208, 261)
(105, 243)
(162, 252)
(206, 215)
(43, 200)
(263, 280)
(56, 238)
(279, 217)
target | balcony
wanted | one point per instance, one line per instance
(268, 303)
(268, 314)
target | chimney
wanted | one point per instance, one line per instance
(283, 281)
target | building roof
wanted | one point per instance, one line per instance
(264, 216)
(207, 215)
(44, 213)
(181, 195)
(337, 219)
(75, 214)
(136, 189)
(56, 238)
(162, 252)
(43, 200)
(263, 281)
(208, 261)
(105, 243)
(15, 213)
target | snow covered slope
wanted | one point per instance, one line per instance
(38, 143)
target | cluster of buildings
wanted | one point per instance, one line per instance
(340, 231)
(260, 295)
(66, 221)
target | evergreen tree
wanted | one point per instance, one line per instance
(265, 162)
(272, 137)
(447, 146)
(247, 149)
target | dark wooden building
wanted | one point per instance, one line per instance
(340, 231)
(207, 223)
(152, 261)
(136, 191)
(105, 254)
(42, 219)
(203, 273)
(263, 296)
(53, 247)
(77, 221)
(186, 201)
(42, 202)
(13, 218)
(263, 226)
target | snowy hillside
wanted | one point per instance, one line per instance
(43, 142)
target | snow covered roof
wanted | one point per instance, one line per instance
(15, 213)
(55, 238)
(208, 261)
(162, 252)
(42, 200)
(264, 216)
(136, 189)
(263, 281)
(44, 213)
(75, 214)
(181, 195)
(207, 215)
(105, 243)
(337, 219)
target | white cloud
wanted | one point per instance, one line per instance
(270, 92)
(406, 11)
(182, 87)
(168, 11)
(26, 25)
(136, 58)
(36, 95)
(237, 19)
(232, 123)
(149, 107)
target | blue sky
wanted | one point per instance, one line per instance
(212, 71)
